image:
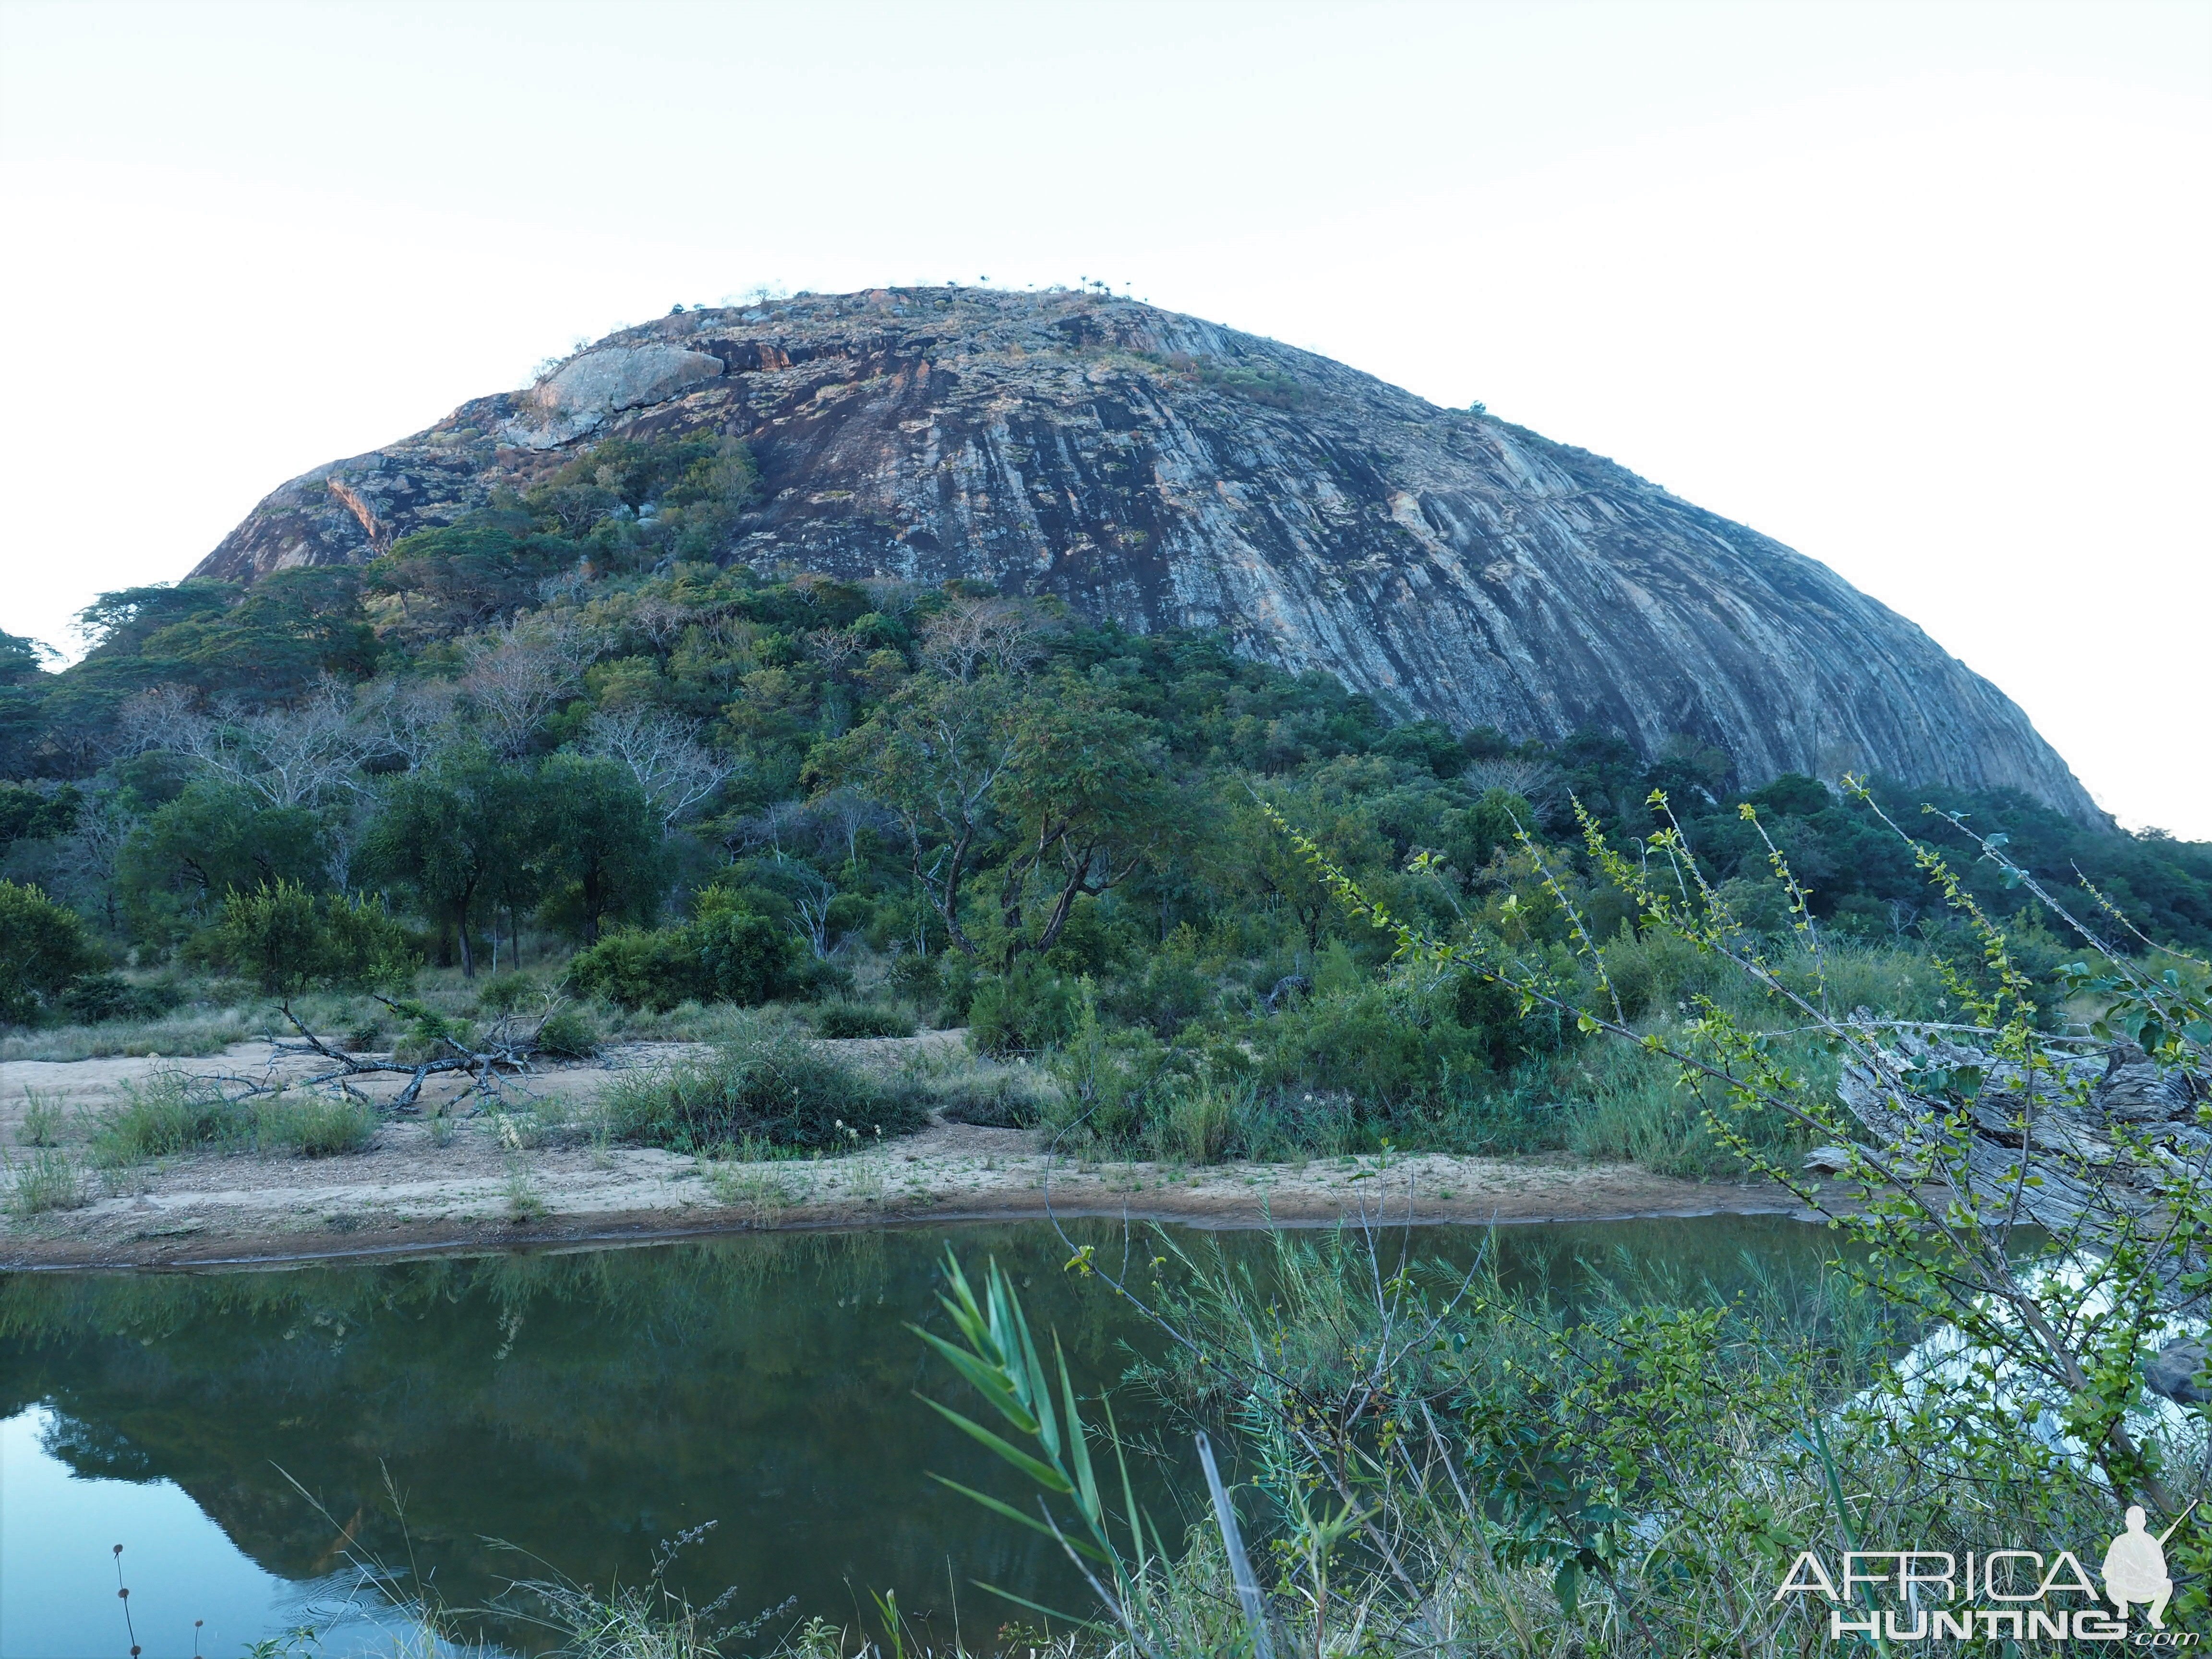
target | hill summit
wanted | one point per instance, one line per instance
(1156, 470)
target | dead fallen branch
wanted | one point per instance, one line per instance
(497, 1060)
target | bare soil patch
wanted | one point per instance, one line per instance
(476, 1181)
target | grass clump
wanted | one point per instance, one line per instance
(165, 1113)
(861, 1019)
(313, 1127)
(42, 1120)
(767, 1083)
(524, 1203)
(756, 1182)
(182, 1035)
(48, 1180)
(172, 1112)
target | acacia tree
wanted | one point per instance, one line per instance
(465, 833)
(604, 846)
(1087, 802)
(934, 755)
(1072, 792)
(663, 752)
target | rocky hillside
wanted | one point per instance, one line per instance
(1164, 471)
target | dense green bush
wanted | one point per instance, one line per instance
(288, 939)
(1023, 1012)
(43, 947)
(1172, 990)
(634, 969)
(568, 1033)
(744, 956)
(728, 952)
(97, 997)
(769, 1085)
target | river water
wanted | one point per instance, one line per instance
(474, 1420)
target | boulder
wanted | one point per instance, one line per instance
(2178, 1371)
(579, 395)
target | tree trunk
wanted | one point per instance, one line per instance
(468, 956)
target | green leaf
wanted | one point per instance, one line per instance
(988, 1380)
(1043, 1473)
(999, 1507)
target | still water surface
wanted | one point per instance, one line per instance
(580, 1407)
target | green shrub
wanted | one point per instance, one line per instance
(568, 1033)
(503, 994)
(634, 969)
(287, 938)
(1379, 1045)
(766, 1083)
(46, 1181)
(728, 952)
(861, 1019)
(1023, 1012)
(96, 997)
(747, 957)
(1173, 991)
(919, 978)
(1111, 1081)
(43, 946)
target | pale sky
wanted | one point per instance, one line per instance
(1919, 290)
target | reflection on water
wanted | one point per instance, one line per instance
(581, 1407)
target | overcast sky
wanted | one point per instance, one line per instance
(1917, 288)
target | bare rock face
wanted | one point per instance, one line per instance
(578, 397)
(1157, 470)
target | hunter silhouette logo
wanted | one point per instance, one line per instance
(2023, 1594)
(2135, 1570)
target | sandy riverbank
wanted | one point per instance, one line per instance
(410, 1190)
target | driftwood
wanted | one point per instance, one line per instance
(505, 1052)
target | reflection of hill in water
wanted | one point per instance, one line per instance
(582, 1407)
(585, 1406)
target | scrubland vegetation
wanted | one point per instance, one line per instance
(539, 740)
(540, 760)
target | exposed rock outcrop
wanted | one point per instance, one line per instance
(1164, 471)
(2100, 1133)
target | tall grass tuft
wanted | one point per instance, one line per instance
(42, 1120)
(316, 1127)
(167, 1113)
(173, 1112)
(48, 1180)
